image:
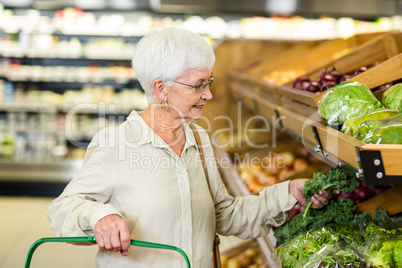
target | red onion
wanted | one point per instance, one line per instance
(345, 78)
(313, 86)
(300, 82)
(361, 70)
(336, 75)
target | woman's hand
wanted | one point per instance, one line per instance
(111, 233)
(319, 200)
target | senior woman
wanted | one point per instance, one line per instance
(143, 179)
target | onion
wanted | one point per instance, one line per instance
(385, 86)
(376, 63)
(348, 195)
(328, 85)
(380, 189)
(345, 78)
(362, 193)
(336, 75)
(313, 86)
(300, 82)
(361, 70)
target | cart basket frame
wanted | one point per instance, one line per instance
(91, 239)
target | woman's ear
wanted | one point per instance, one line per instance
(159, 89)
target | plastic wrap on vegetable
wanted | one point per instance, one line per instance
(334, 255)
(386, 134)
(304, 246)
(370, 125)
(347, 100)
(350, 126)
(392, 97)
(384, 251)
(307, 245)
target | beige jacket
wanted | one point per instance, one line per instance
(132, 172)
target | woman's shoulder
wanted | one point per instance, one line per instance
(110, 136)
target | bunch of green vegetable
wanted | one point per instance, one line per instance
(337, 178)
(340, 210)
(370, 125)
(351, 125)
(347, 100)
(392, 97)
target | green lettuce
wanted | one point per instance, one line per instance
(347, 100)
(392, 98)
(385, 251)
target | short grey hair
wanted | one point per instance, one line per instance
(168, 54)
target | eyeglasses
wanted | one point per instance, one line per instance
(199, 88)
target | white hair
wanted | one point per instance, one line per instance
(168, 54)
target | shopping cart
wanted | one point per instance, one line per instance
(91, 239)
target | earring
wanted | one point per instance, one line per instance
(163, 105)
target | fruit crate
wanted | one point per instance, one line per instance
(319, 55)
(269, 65)
(371, 49)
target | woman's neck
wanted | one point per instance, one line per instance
(164, 124)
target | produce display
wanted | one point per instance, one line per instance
(346, 244)
(335, 236)
(248, 258)
(326, 80)
(331, 78)
(361, 115)
(268, 169)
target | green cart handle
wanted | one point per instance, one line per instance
(91, 239)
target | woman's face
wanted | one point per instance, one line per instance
(187, 102)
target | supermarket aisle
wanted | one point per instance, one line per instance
(23, 222)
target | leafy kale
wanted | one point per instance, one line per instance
(337, 178)
(340, 211)
(382, 217)
(361, 219)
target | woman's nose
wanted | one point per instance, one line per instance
(207, 94)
